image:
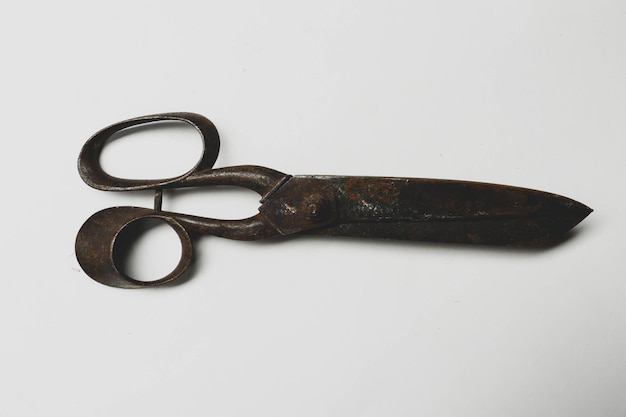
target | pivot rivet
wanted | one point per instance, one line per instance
(317, 207)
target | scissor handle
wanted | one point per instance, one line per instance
(103, 233)
(99, 236)
(93, 174)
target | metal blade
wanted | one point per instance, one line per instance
(421, 209)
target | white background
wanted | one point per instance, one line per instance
(526, 93)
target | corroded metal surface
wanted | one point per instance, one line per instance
(423, 209)
(375, 207)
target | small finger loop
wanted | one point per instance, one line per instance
(105, 237)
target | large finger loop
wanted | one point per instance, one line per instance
(93, 174)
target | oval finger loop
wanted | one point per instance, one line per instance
(91, 171)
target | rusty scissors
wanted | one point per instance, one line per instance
(375, 207)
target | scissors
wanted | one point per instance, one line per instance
(374, 207)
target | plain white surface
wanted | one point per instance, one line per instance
(526, 93)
